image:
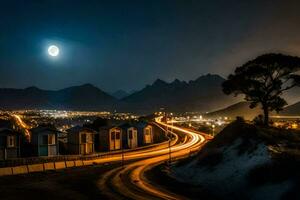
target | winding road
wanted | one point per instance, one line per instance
(129, 181)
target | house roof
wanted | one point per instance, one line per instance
(8, 131)
(6, 124)
(78, 129)
(42, 129)
(109, 127)
(142, 124)
(127, 125)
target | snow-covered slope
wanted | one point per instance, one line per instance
(229, 173)
(230, 165)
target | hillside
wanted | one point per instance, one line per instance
(120, 94)
(292, 96)
(246, 162)
(242, 109)
(292, 109)
(203, 94)
(239, 109)
(84, 97)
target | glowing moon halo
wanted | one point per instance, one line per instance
(53, 50)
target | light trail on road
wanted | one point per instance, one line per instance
(129, 182)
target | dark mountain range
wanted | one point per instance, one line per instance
(120, 94)
(84, 97)
(203, 94)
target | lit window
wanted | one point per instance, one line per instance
(51, 139)
(11, 141)
(130, 134)
(83, 138)
(147, 131)
(112, 135)
(117, 135)
(89, 138)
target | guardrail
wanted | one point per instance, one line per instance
(39, 160)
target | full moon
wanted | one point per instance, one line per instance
(53, 50)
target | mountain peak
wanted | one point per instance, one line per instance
(159, 82)
(32, 88)
(208, 78)
(211, 76)
(120, 94)
(87, 85)
(176, 81)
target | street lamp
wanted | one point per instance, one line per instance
(213, 129)
(170, 158)
(172, 122)
(170, 139)
(169, 135)
(122, 154)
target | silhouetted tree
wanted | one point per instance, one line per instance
(263, 80)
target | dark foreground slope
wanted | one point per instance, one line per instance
(246, 162)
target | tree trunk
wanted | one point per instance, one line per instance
(266, 115)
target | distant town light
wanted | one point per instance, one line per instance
(294, 126)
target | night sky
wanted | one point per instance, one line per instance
(127, 44)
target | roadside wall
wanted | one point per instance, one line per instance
(25, 169)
